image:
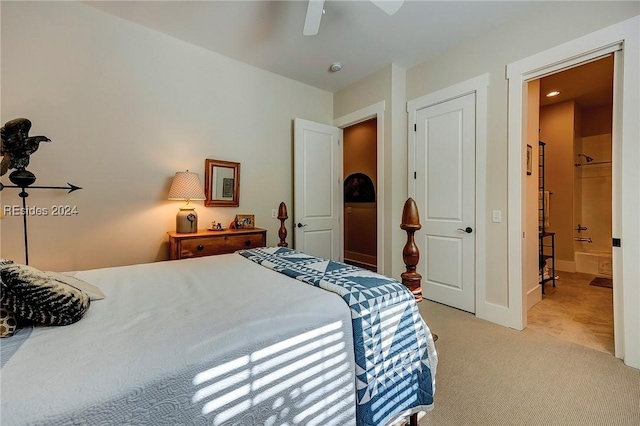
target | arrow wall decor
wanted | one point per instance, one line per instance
(16, 147)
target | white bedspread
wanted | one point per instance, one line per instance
(215, 340)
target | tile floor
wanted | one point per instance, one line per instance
(576, 311)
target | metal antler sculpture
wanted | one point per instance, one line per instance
(16, 146)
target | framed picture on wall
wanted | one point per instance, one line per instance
(529, 159)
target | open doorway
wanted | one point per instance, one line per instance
(622, 40)
(575, 206)
(360, 165)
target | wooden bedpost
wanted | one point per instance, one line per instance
(282, 232)
(413, 420)
(411, 254)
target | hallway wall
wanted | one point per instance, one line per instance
(557, 130)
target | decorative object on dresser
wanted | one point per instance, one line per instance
(216, 226)
(209, 243)
(186, 186)
(221, 183)
(245, 221)
(16, 147)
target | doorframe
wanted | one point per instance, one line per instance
(623, 39)
(372, 111)
(479, 86)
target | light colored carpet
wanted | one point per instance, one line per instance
(492, 375)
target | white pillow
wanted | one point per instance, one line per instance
(90, 290)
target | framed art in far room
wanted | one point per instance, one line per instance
(529, 159)
(245, 221)
(227, 187)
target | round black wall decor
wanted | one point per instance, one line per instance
(358, 188)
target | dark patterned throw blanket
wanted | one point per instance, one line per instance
(394, 352)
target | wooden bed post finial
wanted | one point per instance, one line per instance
(282, 232)
(410, 253)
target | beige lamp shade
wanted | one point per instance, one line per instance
(186, 186)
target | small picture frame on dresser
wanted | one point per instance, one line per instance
(245, 221)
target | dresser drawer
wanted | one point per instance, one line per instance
(206, 246)
(208, 243)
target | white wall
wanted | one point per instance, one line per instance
(557, 124)
(490, 53)
(126, 107)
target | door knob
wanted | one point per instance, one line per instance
(300, 225)
(468, 229)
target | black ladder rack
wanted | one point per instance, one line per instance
(547, 249)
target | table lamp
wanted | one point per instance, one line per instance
(186, 186)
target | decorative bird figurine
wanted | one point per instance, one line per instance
(16, 145)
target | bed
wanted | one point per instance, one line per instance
(249, 338)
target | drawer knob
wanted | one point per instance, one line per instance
(247, 243)
(200, 247)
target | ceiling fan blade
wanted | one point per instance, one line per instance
(314, 14)
(389, 6)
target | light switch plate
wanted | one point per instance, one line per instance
(497, 216)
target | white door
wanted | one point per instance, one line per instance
(317, 189)
(445, 195)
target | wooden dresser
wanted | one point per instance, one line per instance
(209, 243)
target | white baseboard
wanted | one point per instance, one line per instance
(533, 296)
(566, 266)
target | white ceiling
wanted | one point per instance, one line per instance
(268, 34)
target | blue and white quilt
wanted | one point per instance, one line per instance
(394, 351)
